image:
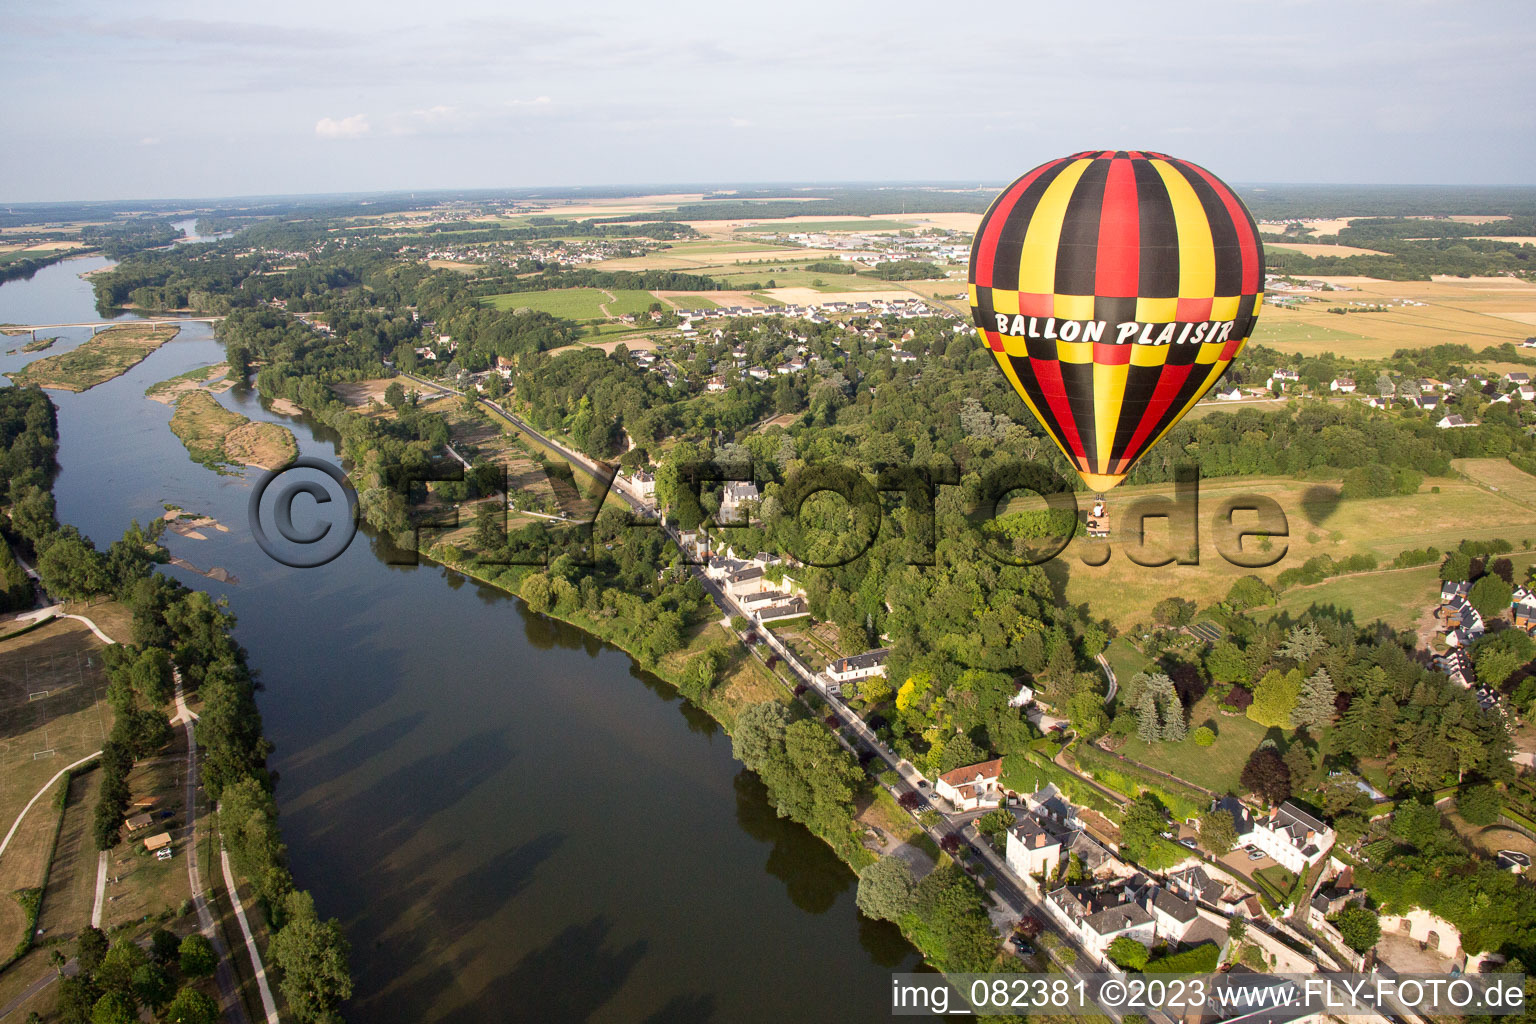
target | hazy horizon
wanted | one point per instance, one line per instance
(164, 103)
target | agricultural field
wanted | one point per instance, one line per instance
(1317, 249)
(109, 354)
(849, 225)
(1320, 523)
(216, 437)
(578, 303)
(1478, 312)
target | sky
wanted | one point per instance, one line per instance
(158, 99)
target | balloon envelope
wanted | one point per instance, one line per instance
(1115, 288)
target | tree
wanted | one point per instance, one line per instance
(1267, 775)
(1314, 705)
(191, 1007)
(1144, 821)
(1218, 832)
(1173, 611)
(1479, 804)
(1128, 953)
(1303, 643)
(152, 986)
(1359, 927)
(394, 395)
(114, 1008)
(885, 889)
(1490, 596)
(118, 966)
(1275, 698)
(1205, 736)
(535, 592)
(490, 528)
(311, 957)
(1496, 656)
(73, 570)
(196, 957)
(90, 948)
(875, 690)
(995, 823)
(1456, 567)
(1226, 663)
(1301, 764)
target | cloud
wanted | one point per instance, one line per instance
(353, 127)
(150, 140)
(537, 101)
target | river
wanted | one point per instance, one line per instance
(511, 820)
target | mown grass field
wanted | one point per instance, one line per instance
(1319, 524)
(1216, 767)
(1399, 597)
(1499, 475)
(577, 303)
(109, 354)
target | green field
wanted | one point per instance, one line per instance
(1398, 597)
(1274, 331)
(1124, 659)
(692, 301)
(1216, 767)
(799, 277)
(577, 303)
(1384, 527)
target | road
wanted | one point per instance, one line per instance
(229, 986)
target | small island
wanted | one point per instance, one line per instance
(218, 438)
(110, 353)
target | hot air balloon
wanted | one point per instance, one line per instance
(1115, 288)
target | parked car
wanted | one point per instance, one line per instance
(1189, 843)
(1257, 855)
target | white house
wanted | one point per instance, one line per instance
(1344, 385)
(1289, 835)
(1453, 420)
(642, 485)
(973, 786)
(735, 492)
(1031, 850)
(860, 666)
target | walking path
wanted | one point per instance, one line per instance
(101, 888)
(38, 795)
(267, 1003)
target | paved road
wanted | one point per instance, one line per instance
(229, 987)
(71, 969)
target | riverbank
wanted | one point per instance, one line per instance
(930, 934)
